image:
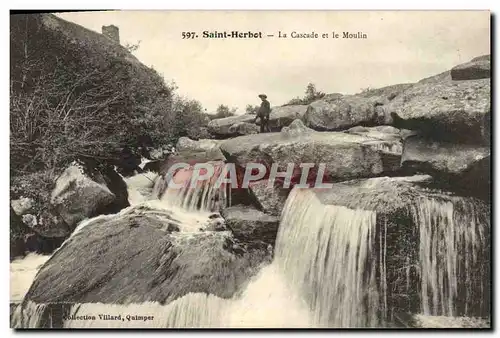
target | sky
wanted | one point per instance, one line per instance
(401, 47)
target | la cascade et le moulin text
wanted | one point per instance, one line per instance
(260, 35)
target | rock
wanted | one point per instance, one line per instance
(450, 110)
(478, 68)
(339, 114)
(283, 116)
(106, 174)
(247, 223)
(270, 200)
(296, 127)
(385, 133)
(159, 152)
(463, 168)
(344, 155)
(117, 186)
(154, 166)
(432, 157)
(220, 127)
(133, 258)
(332, 96)
(486, 57)
(243, 128)
(342, 112)
(22, 205)
(441, 77)
(30, 220)
(186, 144)
(51, 225)
(77, 197)
(128, 162)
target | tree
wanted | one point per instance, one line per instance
(249, 109)
(223, 111)
(312, 94)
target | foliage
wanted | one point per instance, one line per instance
(249, 109)
(223, 111)
(71, 99)
(133, 47)
(311, 95)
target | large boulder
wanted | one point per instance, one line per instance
(463, 168)
(296, 127)
(478, 68)
(79, 194)
(391, 156)
(243, 128)
(23, 205)
(283, 116)
(342, 112)
(186, 144)
(220, 127)
(440, 157)
(344, 155)
(140, 256)
(453, 110)
(249, 224)
(271, 200)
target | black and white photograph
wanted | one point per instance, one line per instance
(238, 169)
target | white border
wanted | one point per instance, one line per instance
(191, 5)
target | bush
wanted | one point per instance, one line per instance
(222, 112)
(74, 94)
(311, 95)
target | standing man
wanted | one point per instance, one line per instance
(263, 114)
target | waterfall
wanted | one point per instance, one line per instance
(22, 274)
(199, 196)
(331, 266)
(451, 238)
(324, 252)
(140, 187)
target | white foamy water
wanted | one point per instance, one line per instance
(267, 302)
(22, 274)
(140, 187)
(205, 195)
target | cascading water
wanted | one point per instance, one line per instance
(323, 251)
(451, 239)
(193, 195)
(330, 268)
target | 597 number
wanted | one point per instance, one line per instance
(189, 35)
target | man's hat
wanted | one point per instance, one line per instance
(263, 95)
